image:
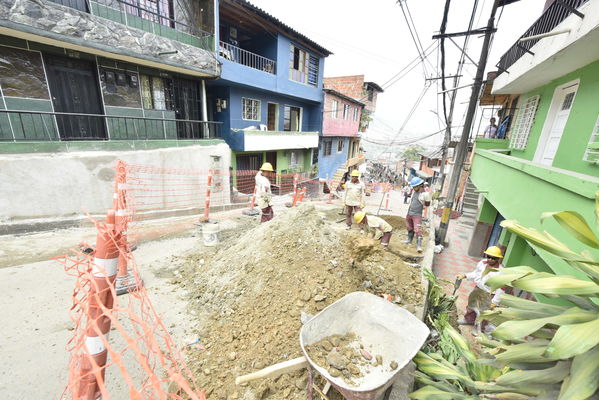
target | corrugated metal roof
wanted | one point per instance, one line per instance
(375, 86)
(292, 32)
(339, 94)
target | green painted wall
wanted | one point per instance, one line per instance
(579, 126)
(495, 144)
(487, 213)
(522, 190)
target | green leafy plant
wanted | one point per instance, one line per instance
(537, 349)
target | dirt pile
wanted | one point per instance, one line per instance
(247, 296)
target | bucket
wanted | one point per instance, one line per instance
(210, 233)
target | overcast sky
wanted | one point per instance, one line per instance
(371, 38)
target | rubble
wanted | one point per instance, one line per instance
(248, 295)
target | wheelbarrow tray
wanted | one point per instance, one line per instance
(383, 327)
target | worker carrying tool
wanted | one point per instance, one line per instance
(263, 193)
(481, 298)
(379, 227)
(354, 197)
(420, 199)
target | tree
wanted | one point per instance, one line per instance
(412, 152)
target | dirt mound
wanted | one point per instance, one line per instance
(247, 297)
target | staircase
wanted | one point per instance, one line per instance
(470, 205)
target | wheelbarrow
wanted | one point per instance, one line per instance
(382, 326)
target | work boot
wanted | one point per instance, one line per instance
(419, 244)
(410, 238)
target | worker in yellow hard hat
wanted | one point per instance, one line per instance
(379, 228)
(481, 298)
(263, 192)
(354, 197)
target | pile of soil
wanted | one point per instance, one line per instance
(247, 296)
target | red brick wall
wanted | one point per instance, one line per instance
(352, 86)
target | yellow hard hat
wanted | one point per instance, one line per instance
(359, 216)
(494, 251)
(355, 172)
(266, 167)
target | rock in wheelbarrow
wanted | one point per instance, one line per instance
(383, 327)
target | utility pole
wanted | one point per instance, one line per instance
(462, 149)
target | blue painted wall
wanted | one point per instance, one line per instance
(279, 83)
(330, 164)
(231, 117)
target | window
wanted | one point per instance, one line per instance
(356, 112)
(523, 123)
(303, 67)
(292, 119)
(334, 107)
(345, 111)
(156, 93)
(294, 159)
(592, 152)
(327, 148)
(340, 145)
(251, 109)
(160, 11)
(370, 94)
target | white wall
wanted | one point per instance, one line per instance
(70, 184)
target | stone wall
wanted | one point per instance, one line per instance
(47, 19)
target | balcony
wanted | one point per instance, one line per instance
(153, 21)
(27, 126)
(249, 59)
(552, 16)
(274, 140)
(568, 43)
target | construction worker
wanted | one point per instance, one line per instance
(263, 193)
(354, 197)
(380, 228)
(481, 298)
(420, 199)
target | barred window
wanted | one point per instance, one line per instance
(345, 111)
(523, 123)
(328, 148)
(156, 93)
(251, 109)
(592, 152)
(340, 145)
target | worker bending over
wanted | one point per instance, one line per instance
(379, 227)
(420, 200)
(354, 197)
(263, 193)
(481, 297)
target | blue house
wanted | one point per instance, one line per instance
(269, 95)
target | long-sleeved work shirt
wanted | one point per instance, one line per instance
(479, 277)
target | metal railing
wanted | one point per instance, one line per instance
(154, 20)
(552, 16)
(20, 126)
(244, 57)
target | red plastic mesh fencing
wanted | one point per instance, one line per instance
(120, 348)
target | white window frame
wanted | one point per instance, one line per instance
(294, 154)
(592, 156)
(243, 109)
(356, 112)
(346, 108)
(523, 122)
(340, 145)
(334, 108)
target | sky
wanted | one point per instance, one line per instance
(372, 38)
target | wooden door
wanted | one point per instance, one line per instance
(272, 122)
(271, 157)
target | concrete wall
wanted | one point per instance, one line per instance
(67, 184)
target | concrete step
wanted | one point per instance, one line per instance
(471, 198)
(471, 203)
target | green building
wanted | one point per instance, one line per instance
(548, 88)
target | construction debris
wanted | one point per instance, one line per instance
(248, 295)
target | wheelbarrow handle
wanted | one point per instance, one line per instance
(274, 370)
